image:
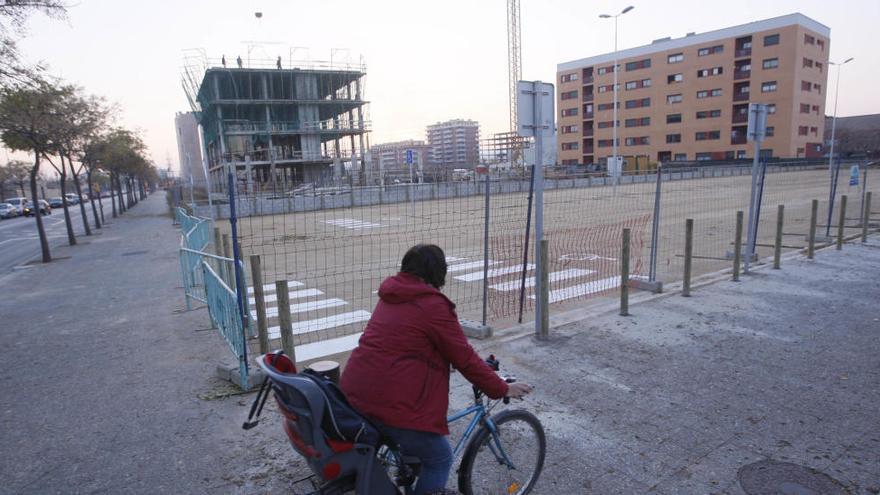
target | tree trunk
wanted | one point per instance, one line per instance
(112, 194)
(92, 197)
(44, 242)
(71, 238)
(21, 186)
(82, 206)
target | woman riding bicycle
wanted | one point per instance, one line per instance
(398, 376)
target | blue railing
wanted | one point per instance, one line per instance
(223, 307)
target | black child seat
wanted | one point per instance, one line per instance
(338, 444)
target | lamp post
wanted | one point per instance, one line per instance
(614, 103)
(831, 153)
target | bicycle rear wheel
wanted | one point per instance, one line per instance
(508, 463)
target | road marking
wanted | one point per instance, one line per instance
(307, 352)
(354, 224)
(303, 307)
(295, 294)
(495, 272)
(271, 287)
(453, 259)
(468, 266)
(583, 289)
(308, 326)
(554, 277)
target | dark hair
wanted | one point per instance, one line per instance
(426, 261)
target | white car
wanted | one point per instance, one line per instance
(8, 211)
(19, 204)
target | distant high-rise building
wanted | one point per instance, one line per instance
(189, 148)
(454, 144)
(688, 98)
(390, 159)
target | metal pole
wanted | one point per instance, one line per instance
(655, 227)
(737, 246)
(777, 252)
(614, 119)
(754, 193)
(539, 193)
(260, 304)
(835, 174)
(544, 294)
(688, 256)
(485, 250)
(811, 249)
(866, 217)
(842, 223)
(522, 287)
(239, 285)
(864, 188)
(284, 323)
(624, 274)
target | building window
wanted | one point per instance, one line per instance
(709, 114)
(805, 108)
(702, 52)
(569, 112)
(806, 85)
(809, 40)
(570, 146)
(673, 118)
(803, 130)
(770, 40)
(644, 121)
(816, 109)
(570, 162)
(704, 156)
(636, 141)
(569, 77)
(607, 106)
(639, 103)
(768, 87)
(608, 87)
(714, 71)
(771, 63)
(675, 58)
(607, 123)
(674, 78)
(708, 93)
(771, 108)
(808, 63)
(605, 143)
(640, 64)
(819, 66)
(769, 131)
(818, 88)
(644, 83)
(821, 44)
(680, 157)
(814, 131)
(569, 95)
(672, 99)
(569, 129)
(673, 138)
(707, 135)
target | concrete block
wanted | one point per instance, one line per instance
(229, 372)
(643, 284)
(475, 329)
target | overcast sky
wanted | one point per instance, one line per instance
(426, 61)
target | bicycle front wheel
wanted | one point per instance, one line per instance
(508, 462)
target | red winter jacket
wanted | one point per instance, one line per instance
(399, 372)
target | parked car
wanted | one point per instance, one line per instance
(72, 199)
(45, 209)
(56, 202)
(8, 211)
(19, 204)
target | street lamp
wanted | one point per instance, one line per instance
(614, 103)
(831, 153)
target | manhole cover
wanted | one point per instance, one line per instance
(134, 253)
(784, 478)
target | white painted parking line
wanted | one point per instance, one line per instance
(308, 326)
(453, 259)
(303, 307)
(554, 277)
(583, 289)
(271, 287)
(469, 266)
(314, 350)
(354, 224)
(294, 294)
(495, 272)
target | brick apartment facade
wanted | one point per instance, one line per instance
(688, 98)
(454, 144)
(390, 159)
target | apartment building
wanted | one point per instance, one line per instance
(454, 144)
(189, 149)
(688, 98)
(390, 159)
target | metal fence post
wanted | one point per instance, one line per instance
(655, 227)
(239, 277)
(285, 325)
(260, 304)
(835, 173)
(814, 213)
(624, 274)
(777, 252)
(227, 253)
(737, 246)
(522, 287)
(544, 293)
(688, 256)
(866, 217)
(842, 223)
(486, 251)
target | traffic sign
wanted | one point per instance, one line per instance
(409, 157)
(757, 122)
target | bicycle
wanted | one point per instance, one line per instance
(500, 454)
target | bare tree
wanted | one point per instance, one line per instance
(15, 172)
(13, 14)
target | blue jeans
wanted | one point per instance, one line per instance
(433, 451)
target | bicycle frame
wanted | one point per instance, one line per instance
(481, 414)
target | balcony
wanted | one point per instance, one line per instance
(588, 96)
(741, 74)
(588, 150)
(738, 140)
(588, 132)
(742, 52)
(740, 118)
(588, 80)
(588, 115)
(741, 97)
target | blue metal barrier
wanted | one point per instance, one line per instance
(224, 309)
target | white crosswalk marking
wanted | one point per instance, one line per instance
(271, 287)
(307, 326)
(468, 266)
(495, 272)
(554, 277)
(294, 294)
(307, 352)
(303, 307)
(354, 224)
(583, 289)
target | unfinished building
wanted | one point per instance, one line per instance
(280, 127)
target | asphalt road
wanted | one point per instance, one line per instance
(19, 241)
